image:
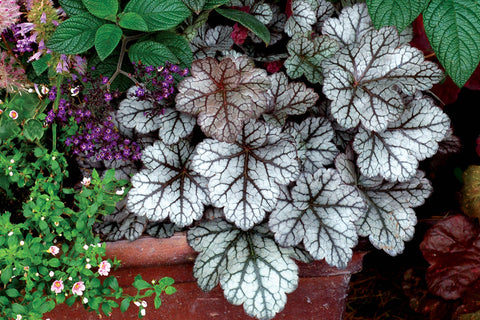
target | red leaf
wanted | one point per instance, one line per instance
(452, 247)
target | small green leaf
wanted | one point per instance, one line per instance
(72, 7)
(195, 5)
(170, 290)
(106, 39)
(248, 21)
(125, 304)
(141, 284)
(8, 128)
(399, 13)
(19, 309)
(70, 301)
(76, 34)
(132, 21)
(105, 9)
(151, 53)
(41, 64)
(12, 293)
(33, 129)
(54, 262)
(157, 301)
(453, 29)
(178, 45)
(159, 14)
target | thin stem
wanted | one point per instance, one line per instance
(119, 70)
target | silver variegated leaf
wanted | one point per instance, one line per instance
(390, 219)
(302, 18)
(450, 144)
(167, 187)
(322, 214)
(175, 126)
(362, 79)
(161, 229)
(135, 114)
(275, 26)
(314, 143)
(350, 26)
(210, 40)
(306, 56)
(224, 95)
(395, 152)
(262, 11)
(323, 10)
(251, 268)
(288, 99)
(245, 176)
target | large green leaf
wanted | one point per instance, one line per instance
(133, 21)
(399, 13)
(453, 29)
(106, 39)
(72, 7)
(248, 21)
(159, 14)
(106, 9)
(151, 53)
(194, 5)
(178, 45)
(76, 34)
(212, 4)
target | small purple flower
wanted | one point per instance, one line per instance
(107, 96)
(104, 80)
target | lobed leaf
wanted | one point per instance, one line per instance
(168, 187)
(322, 215)
(245, 176)
(224, 95)
(302, 18)
(306, 56)
(395, 152)
(251, 268)
(210, 40)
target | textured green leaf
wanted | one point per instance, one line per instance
(105, 9)
(76, 34)
(453, 29)
(106, 39)
(248, 21)
(73, 7)
(33, 129)
(133, 21)
(195, 5)
(41, 64)
(212, 4)
(159, 14)
(399, 13)
(178, 45)
(151, 53)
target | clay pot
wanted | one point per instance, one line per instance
(321, 292)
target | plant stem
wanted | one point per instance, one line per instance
(119, 70)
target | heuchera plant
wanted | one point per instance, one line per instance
(294, 170)
(274, 131)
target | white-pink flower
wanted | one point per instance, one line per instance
(57, 286)
(86, 181)
(78, 288)
(104, 268)
(53, 250)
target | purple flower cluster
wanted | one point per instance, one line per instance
(86, 103)
(158, 83)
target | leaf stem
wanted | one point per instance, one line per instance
(119, 70)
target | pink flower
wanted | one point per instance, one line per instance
(13, 114)
(78, 288)
(57, 286)
(9, 13)
(53, 250)
(104, 268)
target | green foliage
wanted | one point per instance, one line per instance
(133, 21)
(106, 39)
(452, 27)
(105, 9)
(248, 21)
(151, 53)
(159, 14)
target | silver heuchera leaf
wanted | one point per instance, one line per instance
(390, 219)
(288, 98)
(161, 229)
(175, 125)
(275, 26)
(302, 18)
(314, 143)
(211, 40)
(262, 11)
(323, 11)
(251, 268)
(322, 215)
(306, 56)
(134, 114)
(363, 78)
(245, 177)
(224, 95)
(395, 152)
(350, 26)
(168, 187)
